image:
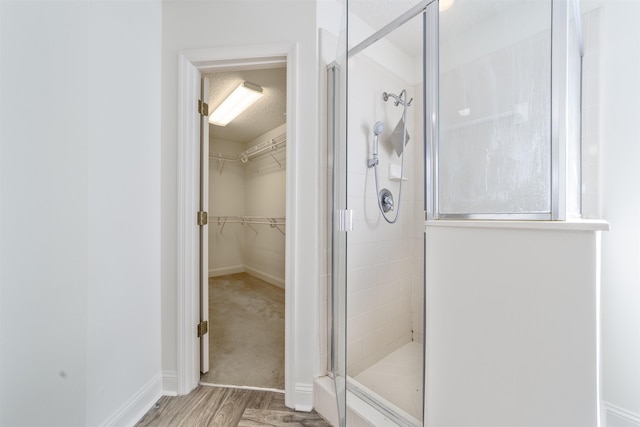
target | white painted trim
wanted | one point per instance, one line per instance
(212, 60)
(616, 412)
(304, 397)
(139, 404)
(169, 383)
(269, 278)
(187, 295)
(291, 254)
(223, 271)
(572, 225)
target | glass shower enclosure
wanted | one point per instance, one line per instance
(437, 110)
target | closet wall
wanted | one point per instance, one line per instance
(252, 189)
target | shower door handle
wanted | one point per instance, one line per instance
(344, 219)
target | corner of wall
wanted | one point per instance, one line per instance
(169, 383)
(135, 408)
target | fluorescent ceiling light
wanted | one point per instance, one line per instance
(239, 100)
(444, 5)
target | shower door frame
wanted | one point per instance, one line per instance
(339, 216)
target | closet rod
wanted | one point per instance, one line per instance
(273, 222)
(272, 144)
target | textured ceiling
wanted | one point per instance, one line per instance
(267, 113)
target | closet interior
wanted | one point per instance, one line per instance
(247, 229)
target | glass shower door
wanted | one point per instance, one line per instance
(384, 248)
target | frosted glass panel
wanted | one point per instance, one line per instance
(495, 108)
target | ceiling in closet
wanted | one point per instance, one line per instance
(267, 113)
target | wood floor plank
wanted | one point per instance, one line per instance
(265, 417)
(227, 407)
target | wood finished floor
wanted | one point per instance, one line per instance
(228, 407)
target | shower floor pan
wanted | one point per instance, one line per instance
(397, 378)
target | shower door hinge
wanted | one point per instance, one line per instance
(203, 108)
(203, 328)
(202, 218)
(345, 219)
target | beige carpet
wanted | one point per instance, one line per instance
(246, 332)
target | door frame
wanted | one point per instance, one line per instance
(191, 64)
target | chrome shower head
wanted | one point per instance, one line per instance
(378, 128)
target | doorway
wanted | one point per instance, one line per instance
(247, 231)
(192, 64)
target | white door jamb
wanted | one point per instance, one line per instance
(192, 63)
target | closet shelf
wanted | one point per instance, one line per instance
(273, 222)
(266, 147)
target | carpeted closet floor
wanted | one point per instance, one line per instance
(246, 332)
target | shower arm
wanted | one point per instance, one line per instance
(398, 99)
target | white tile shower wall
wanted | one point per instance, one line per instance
(380, 255)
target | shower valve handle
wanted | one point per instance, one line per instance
(388, 202)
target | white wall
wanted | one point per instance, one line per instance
(617, 126)
(80, 197)
(265, 185)
(226, 198)
(188, 25)
(511, 326)
(256, 188)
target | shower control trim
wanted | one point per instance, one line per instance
(386, 200)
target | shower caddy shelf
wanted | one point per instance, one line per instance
(273, 222)
(267, 147)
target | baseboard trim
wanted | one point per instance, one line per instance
(276, 281)
(223, 271)
(139, 404)
(620, 416)
(169, 383)
(304, 397)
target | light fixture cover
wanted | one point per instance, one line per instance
(239, 100)
(444, 5)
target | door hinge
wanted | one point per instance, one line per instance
(203, 328)
(203, 108)
(345, 219)
(202, 218)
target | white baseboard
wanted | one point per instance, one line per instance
(304, 397)
(615, 416)
(223, 271)
(169, 383)
(276, 281)
(139, 404)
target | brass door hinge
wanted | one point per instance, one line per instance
(203, 108)
(202, 218)
(203, 328)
